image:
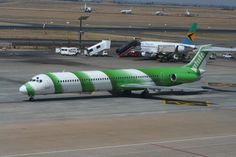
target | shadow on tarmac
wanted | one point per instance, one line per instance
(153, 96)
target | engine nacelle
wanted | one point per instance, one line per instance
(183, 77)
(180, 49)
(173, 77)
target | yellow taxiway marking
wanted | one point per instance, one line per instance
(187, 102)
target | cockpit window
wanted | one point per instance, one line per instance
(36, 80)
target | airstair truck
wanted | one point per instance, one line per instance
(100, 49)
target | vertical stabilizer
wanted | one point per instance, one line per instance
(199, 61)
(191, 35)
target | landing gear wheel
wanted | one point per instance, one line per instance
(31, 99)
(115, 94)
(121, 93)
(127, 93)
(145, 93)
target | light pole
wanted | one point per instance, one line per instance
(81, 18)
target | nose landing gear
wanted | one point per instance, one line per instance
(31, 99)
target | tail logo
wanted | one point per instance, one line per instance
(198, 61)
(192, 36)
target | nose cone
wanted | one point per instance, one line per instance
(23, 89)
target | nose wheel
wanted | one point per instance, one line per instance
(31, 99)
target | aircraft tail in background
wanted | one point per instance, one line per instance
(191, 35)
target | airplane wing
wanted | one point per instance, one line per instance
(161, 88)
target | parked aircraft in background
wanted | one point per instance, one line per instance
(126, 11)
(152, 48)
(188, 14)
(87, 9)
(121, 80)
(161, 13)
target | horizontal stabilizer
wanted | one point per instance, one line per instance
(219, 49)
(198, 63)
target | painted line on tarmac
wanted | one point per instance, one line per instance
(178, 150)
(118, 146)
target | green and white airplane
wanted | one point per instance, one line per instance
(121, 80)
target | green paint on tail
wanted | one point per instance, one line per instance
(200, 59)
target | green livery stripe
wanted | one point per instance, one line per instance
(198, 59)
(120, 77)
(154, 74)
(86, 82)
(56, 83)
(29, 89)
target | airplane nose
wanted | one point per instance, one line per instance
(23, 89)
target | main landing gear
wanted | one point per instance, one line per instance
(121, 93)
(127, 93)
(145, 93)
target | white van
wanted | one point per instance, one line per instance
(68, 51)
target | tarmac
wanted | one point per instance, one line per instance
(98, 124)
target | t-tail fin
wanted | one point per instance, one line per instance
(191, 35)
(198, 63)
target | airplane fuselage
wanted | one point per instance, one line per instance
(106, 80)
(126, 11)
